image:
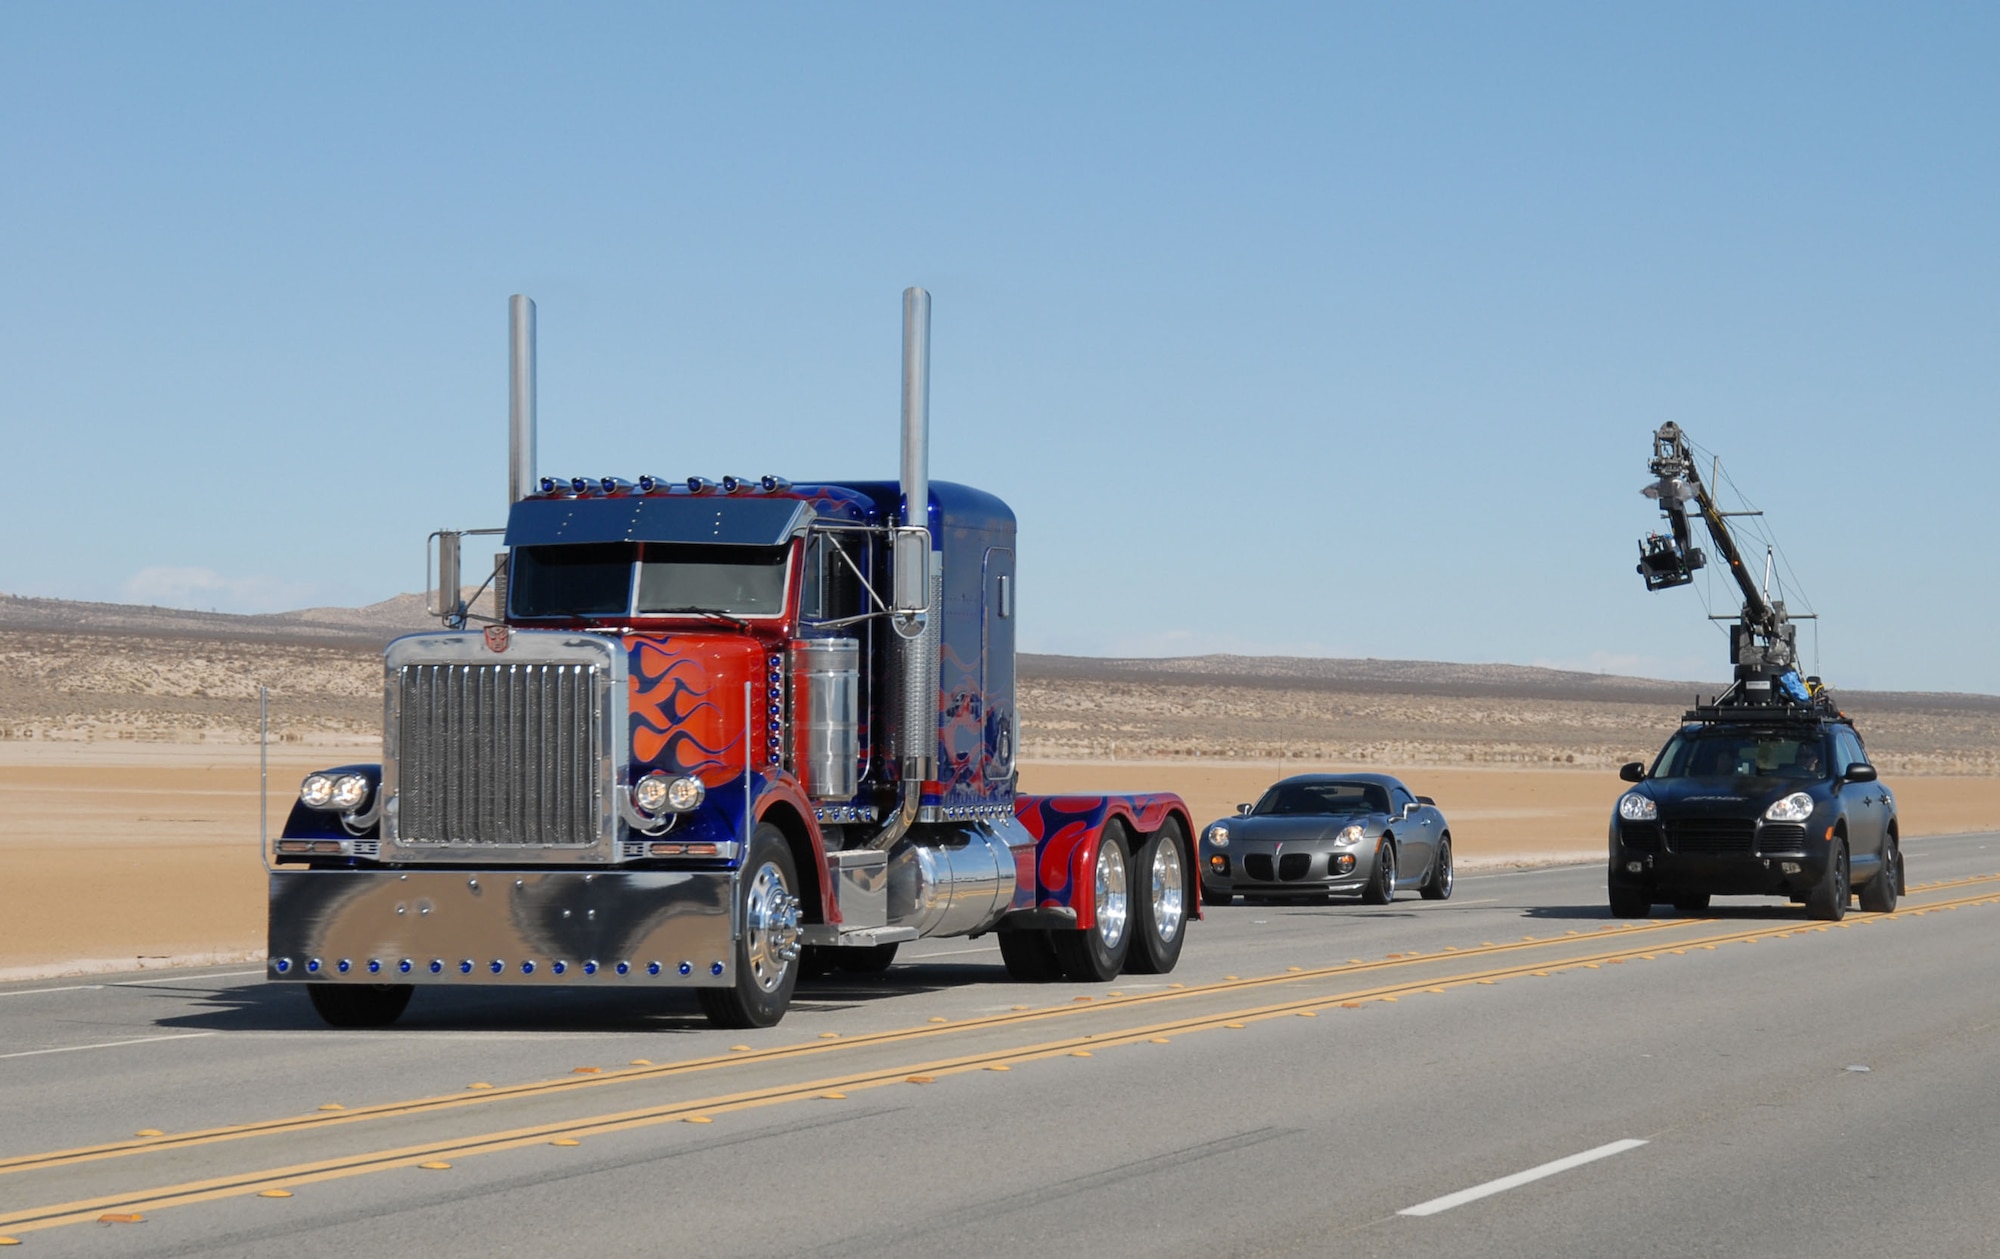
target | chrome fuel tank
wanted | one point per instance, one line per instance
(958, 879)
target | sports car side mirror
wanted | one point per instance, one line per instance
(1859, 773)
(1242, 810)
(1632, 772)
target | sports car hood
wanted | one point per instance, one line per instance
(1293, 828)
(1722, 797)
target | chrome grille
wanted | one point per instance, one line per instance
(499, 754)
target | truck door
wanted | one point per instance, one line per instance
(997, 664)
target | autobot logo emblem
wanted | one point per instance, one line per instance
(496, 638)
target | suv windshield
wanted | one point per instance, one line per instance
(1742, 754)
(1295, 799)
(599, 580)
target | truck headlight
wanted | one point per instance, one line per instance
(1634, 807)
(1219, 835)
(1349, 835)
(656, 793)
(1796, 807)
(350, 792)
(316, 792)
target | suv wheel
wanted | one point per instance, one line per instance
(1828, 899)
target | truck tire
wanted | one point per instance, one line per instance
(870, 960)
(1828, 899)
(360, 1005)
(767, 953)
(1030, 957)
(1692, 903)
(1878, 895)
(1438, 886)
(1381, 888)
(1098, 954)
(1160, 902)
(1630, 902)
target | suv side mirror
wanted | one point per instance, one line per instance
(1860, 773)
(1242, 810)
(1632, 772)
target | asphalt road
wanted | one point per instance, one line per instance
(1511, 1072)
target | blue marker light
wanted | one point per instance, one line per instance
(465, 967)
(498, 965)
(343, 966)
(559, 967)
(374, 965)
(715, 969)
(437, 965)
(687, 969)
(284, 964)
(590, 968)
(527, 968)
(624, 968)
(652, 968)
(404, 966)
(312, 967)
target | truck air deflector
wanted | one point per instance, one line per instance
(659, 518)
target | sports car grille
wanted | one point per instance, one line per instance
(1258, 866)
(498, 754)
(1293, 865)
(1782, 837)
(1711, 834)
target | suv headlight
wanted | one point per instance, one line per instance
(1349, 835)
(1219, 835)
(1796, 807)
(1634, 807)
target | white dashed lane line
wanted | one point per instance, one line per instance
(109, 1044)
(1518, 1179)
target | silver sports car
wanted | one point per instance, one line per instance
(1320, 835)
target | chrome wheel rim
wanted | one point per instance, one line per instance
(1444, 875)
(770, 928)
(1169, 891)
(1113, 900)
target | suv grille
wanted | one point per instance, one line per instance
(1782, 837)
(1711, 834)
(498, 754)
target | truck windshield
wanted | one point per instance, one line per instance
(1741, 754)
(696, 580)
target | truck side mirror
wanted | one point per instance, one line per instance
(911, 594)
(1860, 773)
(446, 595)
(1632, 772)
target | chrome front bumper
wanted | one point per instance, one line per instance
(502, 927)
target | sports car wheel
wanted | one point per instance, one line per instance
(1438, 886)
(360, 1005)
(1879, 895)
(1159, 902)
(1692, 904)
(1382, 888)
(767, 953)
(1630, 902)
(1099, 953)
(1828, 899)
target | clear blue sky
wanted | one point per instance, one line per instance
(1321, 329)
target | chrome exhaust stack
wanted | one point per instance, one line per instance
(918, 578)
(520, 398)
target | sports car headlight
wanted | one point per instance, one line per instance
(350, 792)
(1634, 807)
(1349, 835)
(1796, 807)
(316, 792)
(1219, 835)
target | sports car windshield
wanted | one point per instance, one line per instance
(1741, 754)
(696, 580)
(1318, 799)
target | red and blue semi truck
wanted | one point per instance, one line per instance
(720, 735)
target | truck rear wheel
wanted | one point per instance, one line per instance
(360, 1005)
(1828, 899)
(1159, 902)
(1098, 954)
(767, 951)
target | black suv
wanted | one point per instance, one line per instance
(1756, 803)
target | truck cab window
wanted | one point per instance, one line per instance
(734, 580)
(590, 580)
(829, 590)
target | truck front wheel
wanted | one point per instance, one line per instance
(360, 1005)
(767, 950)
(1098, 954)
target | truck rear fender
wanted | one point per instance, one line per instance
(1068, 830)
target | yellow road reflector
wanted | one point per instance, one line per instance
(939, 1019)
(1236, 1026)
(1433, 990)
(1293, 970)
(739, 1049)
(479, 1084)
(1022, 1007)
(697, 1119)
(1541, 974)
(585, 1070)
(1114, 994)
(565, 1141)
(1388, 998)
(833, 1097)
(642, 1062)
(1487, 982)
(921, 1079)
(1350, 1005)
(274, 1193)
(1079, 1053)
(149, 1132)
(127, 1218)
(1083, 998)
(333, 1106)
(1393, 955)
(1176, 985)
(1451, 948)
(435, 1167)
(1308, 1014)
(10, 1241)
(1161, 1040)
(999, 1066)
(1645, 957)
(1590, 965)
(836, 1035)
(1229, 976)
(1354, 961)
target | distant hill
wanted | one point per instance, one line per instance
(374, 624)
